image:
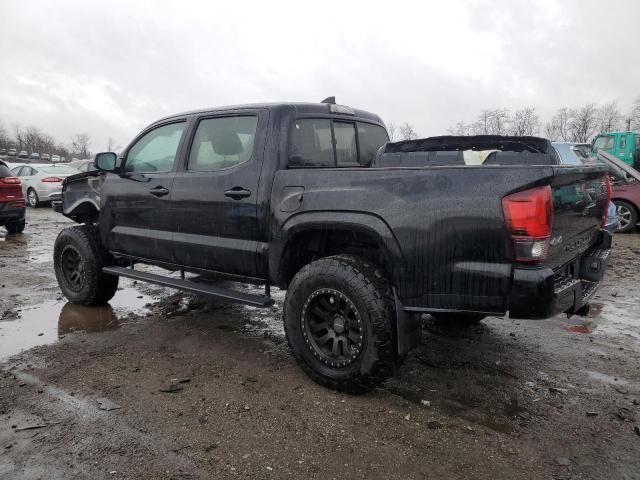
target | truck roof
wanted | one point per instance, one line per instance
(301, 107)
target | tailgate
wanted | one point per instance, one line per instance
(580, 201)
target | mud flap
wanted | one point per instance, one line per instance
(408, 327)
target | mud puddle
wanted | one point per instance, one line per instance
(52, 320)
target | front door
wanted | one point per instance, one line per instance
(135, 206)
(215, 195)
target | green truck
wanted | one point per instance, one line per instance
(623, 145)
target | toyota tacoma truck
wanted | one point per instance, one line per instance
(364, 235)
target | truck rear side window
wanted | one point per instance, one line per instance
(346, 144)
(222, 143)
(310, 143)
(371, 138)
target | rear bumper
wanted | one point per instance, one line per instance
(538, 293)
(9, 214)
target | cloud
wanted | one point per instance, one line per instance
(110, 68)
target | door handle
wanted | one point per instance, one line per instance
(237, 193)
(159, 191)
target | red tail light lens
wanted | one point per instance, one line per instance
(10, 180)
(52, 179)
(529, 219)
(607, 183)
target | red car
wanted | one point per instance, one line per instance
(625, 191)
(12, 207)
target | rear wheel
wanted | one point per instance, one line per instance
(627, 216)
(78, 258)
(339, 319)
(32, 198)
(15, 227)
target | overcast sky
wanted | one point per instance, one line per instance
(109, 67)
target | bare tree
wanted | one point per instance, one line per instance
(34, 139)
(5, 138)
(80, 144)
(18, 136)
(499, 121)
(583, 123)
(609, 117)
(525, 122)
(461, 128)
(112, 146)
(392, 130)
(492, 122)
(634, 116)
(558, 127)
(482, 125)
(407, 132)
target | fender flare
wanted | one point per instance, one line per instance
(324, 220)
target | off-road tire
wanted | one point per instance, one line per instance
(631, 216)
(89, 286)
(458, 319)
(15, 227)
(365, 286)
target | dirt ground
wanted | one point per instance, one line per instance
(506, 400)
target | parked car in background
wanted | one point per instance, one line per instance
(55, 159)
(12, 211)
(42, 183)
(12, 152)
(580, 153)
(3, 151)
(34, 157)
(83, 165)
(23, 154)
(623, 145)
(625, 190)
(45, 157)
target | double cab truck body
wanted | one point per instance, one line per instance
(365, 235)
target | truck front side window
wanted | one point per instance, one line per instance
(155, 151)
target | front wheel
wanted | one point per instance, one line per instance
(339, 319)
(627, 216)
(78, 258)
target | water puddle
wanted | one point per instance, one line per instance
(46, 323)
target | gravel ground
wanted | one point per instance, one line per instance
(209, 390)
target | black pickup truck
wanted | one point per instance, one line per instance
(364, 235)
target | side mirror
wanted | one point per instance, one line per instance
(106, 161)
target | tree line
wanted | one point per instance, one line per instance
(33, 139)
(567, 124)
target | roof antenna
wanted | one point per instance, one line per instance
(330, 100)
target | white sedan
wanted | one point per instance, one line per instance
(42, 183)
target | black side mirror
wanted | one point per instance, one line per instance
(106, 161)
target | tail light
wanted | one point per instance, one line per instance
(607, 183)
(10, 180)
(51, 179)
(529, 219)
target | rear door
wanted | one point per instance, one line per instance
(215, 195)
(136, 217)
(26, 174)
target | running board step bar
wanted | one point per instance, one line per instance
(225, 294)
